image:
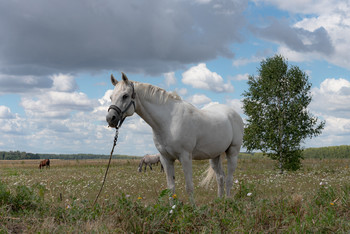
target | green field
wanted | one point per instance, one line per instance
(59, 200)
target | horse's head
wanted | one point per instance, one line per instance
(122, 101)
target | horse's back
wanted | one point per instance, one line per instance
(224, 116)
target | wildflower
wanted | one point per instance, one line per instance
(68, 207)
(173, 207)
(127, 195)
(139, 198)
(174, 196)
(171, 211)
(332, 203)
(236, 181)
(249, 194)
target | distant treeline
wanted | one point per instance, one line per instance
(17, 155)
(342, 151)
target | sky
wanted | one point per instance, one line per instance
(56, 58)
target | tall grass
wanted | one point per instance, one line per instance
(315, 199)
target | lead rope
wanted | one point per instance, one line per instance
(109, 163)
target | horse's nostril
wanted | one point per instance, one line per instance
(113, 118)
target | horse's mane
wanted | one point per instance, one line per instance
(154, 93)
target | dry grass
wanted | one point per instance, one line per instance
(75, 183)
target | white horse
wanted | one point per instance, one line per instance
(181, 131)
(149, 160)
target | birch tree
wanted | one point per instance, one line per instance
(278, 120)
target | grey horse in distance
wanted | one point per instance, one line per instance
(149, 160)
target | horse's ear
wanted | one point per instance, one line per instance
(113, 80)
(125, 78)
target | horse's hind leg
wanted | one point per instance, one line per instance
(215, 163)
(232, 155)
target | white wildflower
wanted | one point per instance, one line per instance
(171, 211)
(249, 194)
(173, 207)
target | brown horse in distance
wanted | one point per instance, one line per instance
(44, 163)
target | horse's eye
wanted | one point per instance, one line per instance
(125, 96)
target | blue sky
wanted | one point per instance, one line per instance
(56, 59)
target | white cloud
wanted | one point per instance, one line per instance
(244, 61)
(332, 98)
(70, 122)
(236, 104)
(210, 104)
(170, 78)
(296, 56)
(336, 132)
(199, 99)
(182, 91)
(53, 104)
(309, 6)
(202, 78)
(5, 113)
(64, 83)
(241, 77)
(332, 16)
(106, 99)
(331, 102)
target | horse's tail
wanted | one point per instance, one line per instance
(210, 173)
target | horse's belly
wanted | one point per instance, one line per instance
(210, 149)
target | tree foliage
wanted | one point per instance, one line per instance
(276, 106)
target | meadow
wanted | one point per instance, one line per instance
(59, 200)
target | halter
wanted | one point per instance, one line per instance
(119, 111)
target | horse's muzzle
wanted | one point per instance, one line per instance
(113, 117)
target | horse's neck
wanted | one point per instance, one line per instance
(158, 116)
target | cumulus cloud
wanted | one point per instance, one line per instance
(133, 36)
(70, 122)
(202, 78)
(332, 98)
(331, 102)
(170, 78)
(323, 30)
(297, 39)
(23, 84)
(199, 100)
(5, 113)
(55, 104)
(309, 6)
(64, 83)
(241, 77)
(236, 104)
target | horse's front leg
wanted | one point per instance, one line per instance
(186, 162)
(169, 172)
